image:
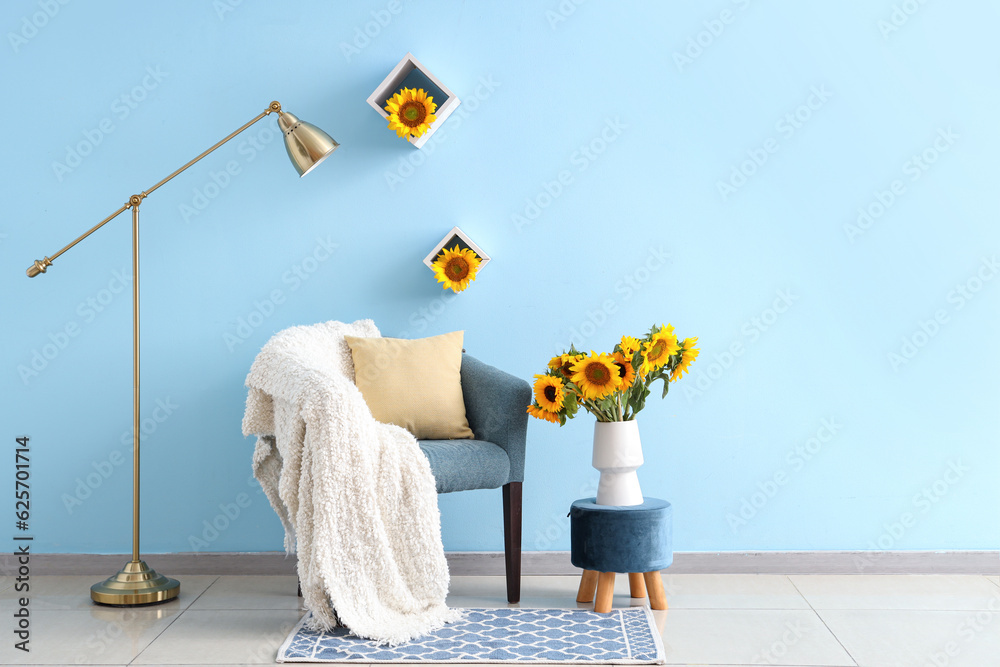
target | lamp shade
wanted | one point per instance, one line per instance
(307, 145)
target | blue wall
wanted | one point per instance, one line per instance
(807, 187)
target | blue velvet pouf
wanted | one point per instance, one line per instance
(612, 538)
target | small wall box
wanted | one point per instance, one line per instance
(410, 73)
(456, 237)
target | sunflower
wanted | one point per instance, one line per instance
(549, 393)
(596, 375)
(455, 268)
(658, 350)
(688, 354)
(629, 346)
(536, 411)
(625, 370)
(564, 363)
(411, 111)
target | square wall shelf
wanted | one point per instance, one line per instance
(410, 73)
(457, 237)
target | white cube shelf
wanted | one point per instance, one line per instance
(410, 73)
(457, 237)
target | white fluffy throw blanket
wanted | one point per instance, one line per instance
(356, 497)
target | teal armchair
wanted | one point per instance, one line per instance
(495, 406)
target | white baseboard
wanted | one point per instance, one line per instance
(463, 563)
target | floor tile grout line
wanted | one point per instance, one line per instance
(216, 580)
(160, 633)
(823, 621)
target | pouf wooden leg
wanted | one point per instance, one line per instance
(605, 592)
(636, 587)
(654, 584)
(588, 584)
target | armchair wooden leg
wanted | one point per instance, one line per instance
(300, 587)
(512, 539)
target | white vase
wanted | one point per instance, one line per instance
(617, 455)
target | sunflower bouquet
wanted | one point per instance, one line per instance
(612, 387)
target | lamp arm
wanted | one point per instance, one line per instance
(40, 265)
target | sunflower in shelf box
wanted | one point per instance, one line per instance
(455, 268)
(411, 112)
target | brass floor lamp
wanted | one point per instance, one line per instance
(137, 584)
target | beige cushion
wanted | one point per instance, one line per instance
(416, 384)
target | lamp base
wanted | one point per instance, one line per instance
(135, 585)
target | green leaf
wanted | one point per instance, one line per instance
(570, 406)
(640, 401)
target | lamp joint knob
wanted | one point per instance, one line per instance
(38, 266)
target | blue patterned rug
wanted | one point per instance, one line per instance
(512, 635)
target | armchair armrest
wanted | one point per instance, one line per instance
(496, 407)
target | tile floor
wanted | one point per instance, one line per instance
(831, 620)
